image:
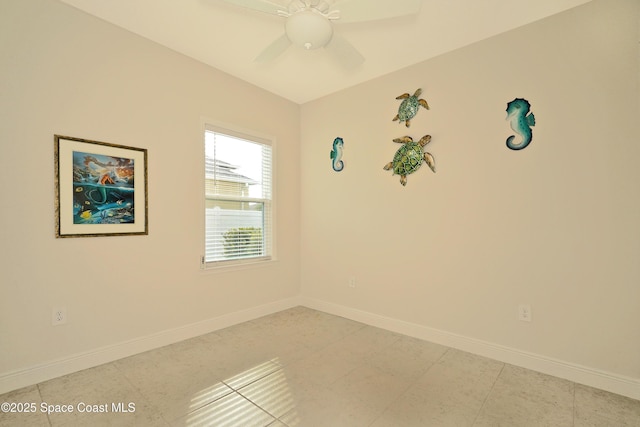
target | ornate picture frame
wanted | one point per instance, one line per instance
(101, 188)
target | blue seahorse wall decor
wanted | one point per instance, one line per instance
(521, 121)
(336, 154)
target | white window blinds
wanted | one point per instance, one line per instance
(238, 197)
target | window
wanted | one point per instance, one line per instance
(238, 197)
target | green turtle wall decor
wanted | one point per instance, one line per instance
(410, 156)
(409, 107)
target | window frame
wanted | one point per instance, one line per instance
(269, 232)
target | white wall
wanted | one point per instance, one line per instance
(554, 225)
(65, 72)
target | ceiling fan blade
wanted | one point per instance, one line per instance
(274, 50)
(367, 10)
(344, 52)
(259, 5)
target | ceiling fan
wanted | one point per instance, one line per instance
(309, 23)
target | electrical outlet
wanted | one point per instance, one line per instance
(58, 316)
(352, 282)
(524, 312)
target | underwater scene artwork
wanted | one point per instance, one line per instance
(103, 189)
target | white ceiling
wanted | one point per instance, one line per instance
(228, 37)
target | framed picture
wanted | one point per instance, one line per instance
(101, 188)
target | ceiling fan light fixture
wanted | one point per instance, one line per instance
(309, 29)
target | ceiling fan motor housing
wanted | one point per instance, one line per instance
(309, 29)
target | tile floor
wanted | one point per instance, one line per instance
(305, 368)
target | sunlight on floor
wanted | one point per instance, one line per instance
(231, 410)
(208, 395)
(273, 393)
(259, 393)
(252, 374)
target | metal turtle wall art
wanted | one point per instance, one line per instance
(409, 157)
(409, 107)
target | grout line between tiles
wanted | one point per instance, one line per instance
(484, 402)
(41, 400)
(401, 395)
(573, 413)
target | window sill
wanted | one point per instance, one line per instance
(224, 266)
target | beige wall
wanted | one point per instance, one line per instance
(65, 72)
(554, 225)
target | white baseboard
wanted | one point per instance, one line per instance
(42, 372)
(614, 383)
(592, 377)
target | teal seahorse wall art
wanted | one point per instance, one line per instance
(521, 120)
(336, 154)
